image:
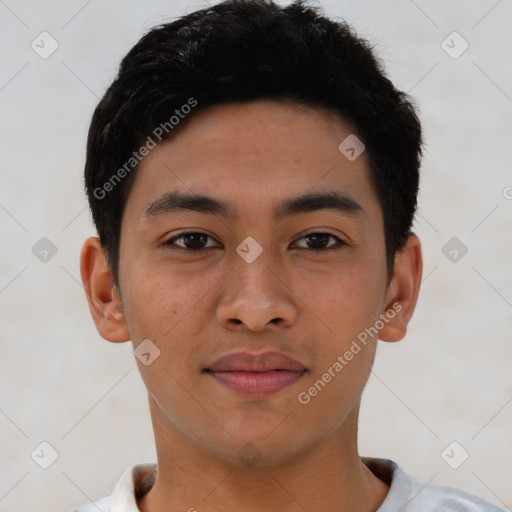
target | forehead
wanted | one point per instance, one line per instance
(253, 154)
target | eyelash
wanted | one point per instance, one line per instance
(339, 245)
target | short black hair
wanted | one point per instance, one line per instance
(243, 50)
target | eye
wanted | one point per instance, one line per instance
(191, 241)
(319, 242)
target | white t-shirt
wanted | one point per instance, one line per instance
(404, 495)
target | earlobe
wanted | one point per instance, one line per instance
(103, 298)
(403, 290)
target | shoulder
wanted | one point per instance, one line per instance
(447, 499)
(408, 495)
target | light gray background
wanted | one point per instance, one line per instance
(449, 380)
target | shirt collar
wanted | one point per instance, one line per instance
(133, 484)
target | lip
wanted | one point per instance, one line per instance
(262, 362)
(256, 375)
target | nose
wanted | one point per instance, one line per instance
(255, 298)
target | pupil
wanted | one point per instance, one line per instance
(194, 240)
(323, 238)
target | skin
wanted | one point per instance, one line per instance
(197, 307)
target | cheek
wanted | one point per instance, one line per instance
(158, 299)
(342, 307)
(343, 302)
(160, 306)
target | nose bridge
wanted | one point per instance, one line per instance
(253, 295)
(254, 279)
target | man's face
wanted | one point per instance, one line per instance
(204, 296)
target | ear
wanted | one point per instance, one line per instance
(403, 290)
(103, 298)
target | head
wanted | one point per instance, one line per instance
(253, 125)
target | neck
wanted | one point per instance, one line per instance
(327, 477)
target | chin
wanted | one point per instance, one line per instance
(259, 444)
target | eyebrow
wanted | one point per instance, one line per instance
(175, 201)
